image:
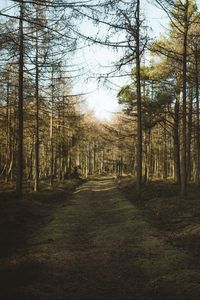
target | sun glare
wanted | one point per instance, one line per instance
(103, 104)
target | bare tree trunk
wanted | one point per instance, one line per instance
(63, 146)
(51, 134)
(189, 135)
(94, 156)
(177, 172)
(198, 123)
(139, 100)
(184, 114)
(146, 154)
(90, 153)
(165, 149)
(7, 131)
(36, 116)
(20, 173)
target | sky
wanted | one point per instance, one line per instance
(100, 98)
(103, 101)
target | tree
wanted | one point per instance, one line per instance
(20, 171)
(182, 15)
(139, 101)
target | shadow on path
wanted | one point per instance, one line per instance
(96, 247)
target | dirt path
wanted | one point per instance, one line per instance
(97, 247)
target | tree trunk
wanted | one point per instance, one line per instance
(20, 132)
(177, 171)
(189, 135)
(165, 157)
(197, 122)
(51, 133)
(36, 115)
(7, 131)
(184, 108)
(139, 100)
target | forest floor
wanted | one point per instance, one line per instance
(96, 245)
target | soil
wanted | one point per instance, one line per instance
(92, 245)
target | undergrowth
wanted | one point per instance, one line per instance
(176, 219)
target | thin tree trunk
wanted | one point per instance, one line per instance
(139, 100)
(165, 149)
(37, 116)
(7, 131)
(177, 171)
(63, 146)
(198, 123)
(94, 156)
(20, 173)
(184, 114)
(189, 135)
(51, 134)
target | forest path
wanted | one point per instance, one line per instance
(95, 247)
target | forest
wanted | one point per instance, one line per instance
(80, 196)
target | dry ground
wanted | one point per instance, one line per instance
(94, 245)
